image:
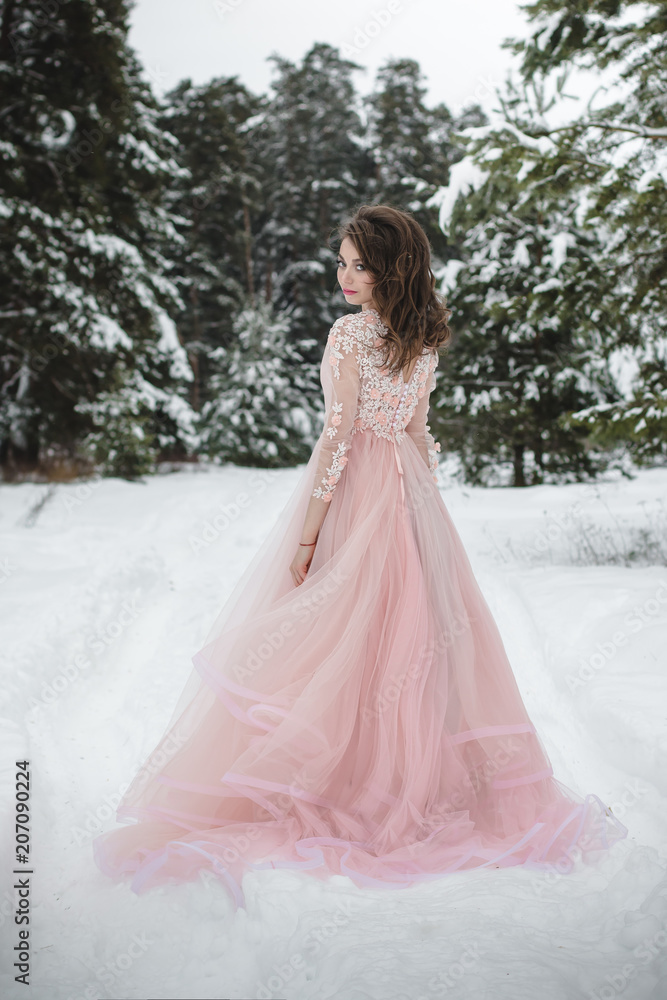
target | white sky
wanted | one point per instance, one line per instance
(456, 44)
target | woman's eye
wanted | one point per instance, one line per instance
(340, 263)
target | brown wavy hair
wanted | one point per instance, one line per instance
(396, 253)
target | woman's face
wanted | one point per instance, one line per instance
(353, 278)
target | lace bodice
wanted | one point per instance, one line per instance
(360, 395)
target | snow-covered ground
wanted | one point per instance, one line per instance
(106, 598)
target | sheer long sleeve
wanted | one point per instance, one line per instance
(419, 430)
(340, 382)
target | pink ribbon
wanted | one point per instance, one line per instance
(400, 468)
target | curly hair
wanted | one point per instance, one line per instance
(395, 251)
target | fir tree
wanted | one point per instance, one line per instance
(215, 200)
(307, 139)
(613, 153)
(87, 314)
(411, 148)
(525, 350)
(259, 412)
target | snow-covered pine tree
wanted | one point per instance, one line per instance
(618, 145)
(259, 412)
(307, 139)
(527, 327)
(211, 265)
(411, 148)
(91, 364)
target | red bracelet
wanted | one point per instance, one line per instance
(308, 543)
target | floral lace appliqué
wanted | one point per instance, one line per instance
(432, 453)
(339, 462)
(336, 417)
(340, 339)
(385, 404)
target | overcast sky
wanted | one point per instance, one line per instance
(457, 44)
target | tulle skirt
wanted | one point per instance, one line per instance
(365, 723)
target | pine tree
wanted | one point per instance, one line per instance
(88, 334)
(615, 151)
(259, 412)
(307, 138)
(214, 201)
(411, 147)
(526, 349)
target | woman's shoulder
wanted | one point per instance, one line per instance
(365, 327)
(361, 326)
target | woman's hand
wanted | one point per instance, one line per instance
(313, 521)
(301, 562)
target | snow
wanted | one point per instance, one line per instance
(107, 334)
(559, 246)
(624, 367)
(8, 150)
(521, 254)
(52, 139)
(145, 156)
(107, 600)
(171, 345)
(463, 176)
(547, 286)
(656, 173)
(112, 247)
(585, 93)
(448, 275)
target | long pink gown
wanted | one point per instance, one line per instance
(366, 722)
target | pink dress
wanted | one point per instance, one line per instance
(366, 722)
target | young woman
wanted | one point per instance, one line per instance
(353, 709)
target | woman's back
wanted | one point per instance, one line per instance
(361, 395)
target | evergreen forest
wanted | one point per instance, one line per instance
(167, 270)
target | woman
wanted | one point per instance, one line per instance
(353, 710)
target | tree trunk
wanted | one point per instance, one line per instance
(5, 42)
(519, 478)
(247, 232)
(193, 356)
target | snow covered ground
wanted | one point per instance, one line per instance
(105, 600)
